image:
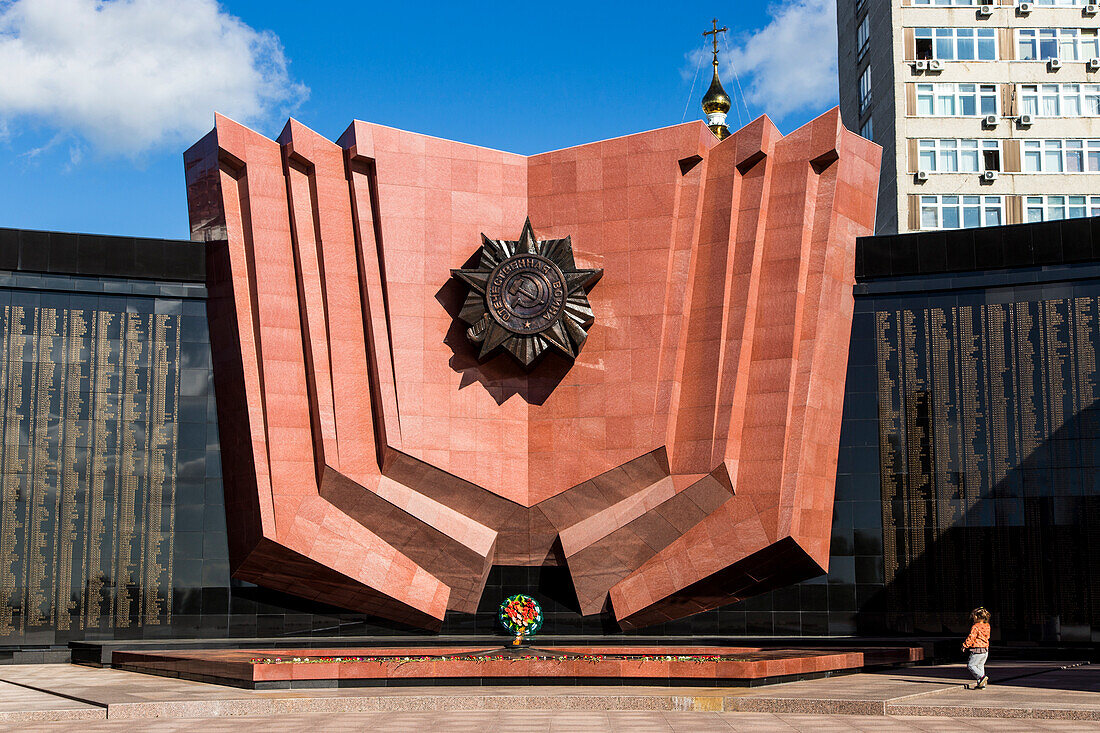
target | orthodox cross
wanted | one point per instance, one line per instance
(716, 30)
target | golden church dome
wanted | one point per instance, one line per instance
(716, 99)
(716, 103)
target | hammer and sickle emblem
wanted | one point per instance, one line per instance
(524, 291)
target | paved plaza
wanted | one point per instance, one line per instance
(1026, 696)
(577, 722)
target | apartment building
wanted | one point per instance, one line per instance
(988, 111)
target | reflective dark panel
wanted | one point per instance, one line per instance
(988, 420)
(89, 405)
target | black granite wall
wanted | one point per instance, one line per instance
(967, 471)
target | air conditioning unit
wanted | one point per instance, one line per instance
(989, 176)
(920, 66)
(990, 121)
(935, 65)
(984, 11)
(1023, 8)
(1092, 65)
(1024, 121)
(1091, 9)
(922, 176)
(1054, 64)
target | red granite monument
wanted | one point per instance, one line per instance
(644, 384)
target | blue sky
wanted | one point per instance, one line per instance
(101, 98)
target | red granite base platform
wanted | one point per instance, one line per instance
(663, 665)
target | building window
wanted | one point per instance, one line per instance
(952, 212)
(1057, 3)
(1060, 100)
(1061, 156)
(868, 130)
(865, 90)
(956, 44)
(863, 35)
(1049, 208)
(924, 45)
(991, 155)
(949, 3)
(956, 100)
(1067, 44)
(958, 156)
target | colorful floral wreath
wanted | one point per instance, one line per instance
(521, 615)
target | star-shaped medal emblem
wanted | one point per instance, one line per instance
(527, 296)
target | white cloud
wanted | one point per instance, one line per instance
(129, 75)
(789, 65)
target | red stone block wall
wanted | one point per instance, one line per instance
(686, 458)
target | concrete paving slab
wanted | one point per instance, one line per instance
(544, 721)
(1070, 694)
(22, 705)
(1048, 692)
(132, 695)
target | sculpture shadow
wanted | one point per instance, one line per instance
(1009, 673)
(500, 375)
(257, 611)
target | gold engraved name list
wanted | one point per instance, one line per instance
(88, 407)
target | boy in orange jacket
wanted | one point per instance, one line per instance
(978, 645)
